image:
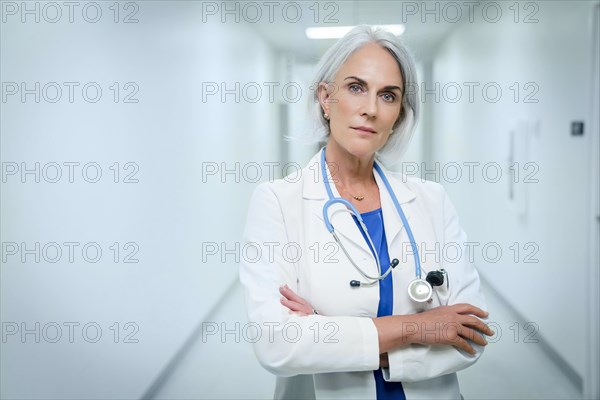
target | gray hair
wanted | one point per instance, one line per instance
(333, 59)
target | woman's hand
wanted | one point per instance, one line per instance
(294, 302)
(456, 325)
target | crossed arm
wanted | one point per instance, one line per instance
(456, 325)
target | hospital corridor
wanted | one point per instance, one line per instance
(300, 199)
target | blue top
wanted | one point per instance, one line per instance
(374, 222)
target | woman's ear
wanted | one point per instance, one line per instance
(323, 94)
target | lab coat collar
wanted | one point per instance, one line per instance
(314, 189)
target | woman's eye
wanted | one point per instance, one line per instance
(355, 88)
(389, 97)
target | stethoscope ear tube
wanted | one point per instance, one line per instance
(393, 264)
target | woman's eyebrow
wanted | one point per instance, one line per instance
(364, 83)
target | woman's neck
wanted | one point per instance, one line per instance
(347, 169)
(353, 177)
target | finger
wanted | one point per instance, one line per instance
(294, 306)
(471, 309)
(464, 345)
(465, 308)
(473, 336)
(289, 293)
(479, 325)
(299, 312)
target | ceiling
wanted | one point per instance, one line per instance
(423, 30)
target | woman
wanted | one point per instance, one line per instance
(331, 323)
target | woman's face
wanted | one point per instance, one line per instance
(364, 101)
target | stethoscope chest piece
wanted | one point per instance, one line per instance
(420, 291)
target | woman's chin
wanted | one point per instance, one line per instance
(363, 150)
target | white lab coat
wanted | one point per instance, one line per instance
(333, 355)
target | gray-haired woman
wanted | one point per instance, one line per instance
(351, 315)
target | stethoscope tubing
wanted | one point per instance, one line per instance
(333, 200)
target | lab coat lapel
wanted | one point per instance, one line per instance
(391, 219)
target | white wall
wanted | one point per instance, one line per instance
(553, 55)
(300, 150)
(171, 133)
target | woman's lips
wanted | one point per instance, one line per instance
(364, 129)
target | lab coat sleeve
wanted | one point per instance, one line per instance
(420, 362)
(290, 344)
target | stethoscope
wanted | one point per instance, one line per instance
(419, 290)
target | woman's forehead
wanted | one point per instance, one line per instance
(373, 64)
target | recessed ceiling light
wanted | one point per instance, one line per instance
(336, 32)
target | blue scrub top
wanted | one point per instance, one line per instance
(374, 222)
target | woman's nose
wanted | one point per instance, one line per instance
(369, 106)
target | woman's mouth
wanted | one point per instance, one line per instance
(364, 129)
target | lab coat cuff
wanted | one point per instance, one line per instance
(371, 339)
(386, 374)
(396, 365)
